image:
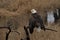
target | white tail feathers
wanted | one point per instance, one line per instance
(38, 29)
(50, 17)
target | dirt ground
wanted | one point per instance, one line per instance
(18, 13)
